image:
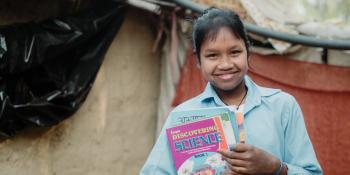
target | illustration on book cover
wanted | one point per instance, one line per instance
(194, 145)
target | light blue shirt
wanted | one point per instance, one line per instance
(273, 121)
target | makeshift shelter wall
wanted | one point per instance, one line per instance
(113, 130)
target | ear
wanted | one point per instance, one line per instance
(248, 60)
(197, 57)
(198, 64)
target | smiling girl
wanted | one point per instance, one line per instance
(274, 139)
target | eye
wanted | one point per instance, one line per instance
(235, 52)
(211, 56)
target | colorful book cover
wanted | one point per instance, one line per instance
(194, 145)
(187, 116)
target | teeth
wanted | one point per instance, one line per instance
(226, 76)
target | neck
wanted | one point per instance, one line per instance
(234, 96)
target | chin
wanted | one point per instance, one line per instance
(225, 87)
(228, 89)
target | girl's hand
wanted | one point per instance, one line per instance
(247, 159)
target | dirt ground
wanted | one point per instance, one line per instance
(113, 131)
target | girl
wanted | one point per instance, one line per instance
(274, 139)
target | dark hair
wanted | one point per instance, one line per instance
(208, 25)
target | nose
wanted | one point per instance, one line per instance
(225, 63)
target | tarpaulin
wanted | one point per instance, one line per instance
(322, 91)
(47, 68)
(3, 47)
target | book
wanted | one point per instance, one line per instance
(194, 142)
(191, 115)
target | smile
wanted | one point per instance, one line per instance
(226, 76)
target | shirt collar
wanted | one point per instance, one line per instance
(253, 99)
(209, 94)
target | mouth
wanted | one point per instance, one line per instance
(226, 76)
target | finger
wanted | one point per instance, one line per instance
(227, 172)
(236, 162)
(230, 167)
(226, 153)
(230, 172)
(233, 154)
(237, 170)
(241, 147)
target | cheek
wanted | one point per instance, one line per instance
(243, 63)
(206, 69)
(203, 71)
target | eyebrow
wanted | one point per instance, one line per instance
(231, 48)
(236, 47)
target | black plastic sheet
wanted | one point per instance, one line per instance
(48, 68)
(3, 47)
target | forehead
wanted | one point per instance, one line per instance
(224, 37)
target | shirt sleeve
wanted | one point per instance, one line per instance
(299, 154)
(160, 162)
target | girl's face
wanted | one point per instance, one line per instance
(224, 60)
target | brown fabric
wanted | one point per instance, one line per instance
(191, 82)
(322, 91)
